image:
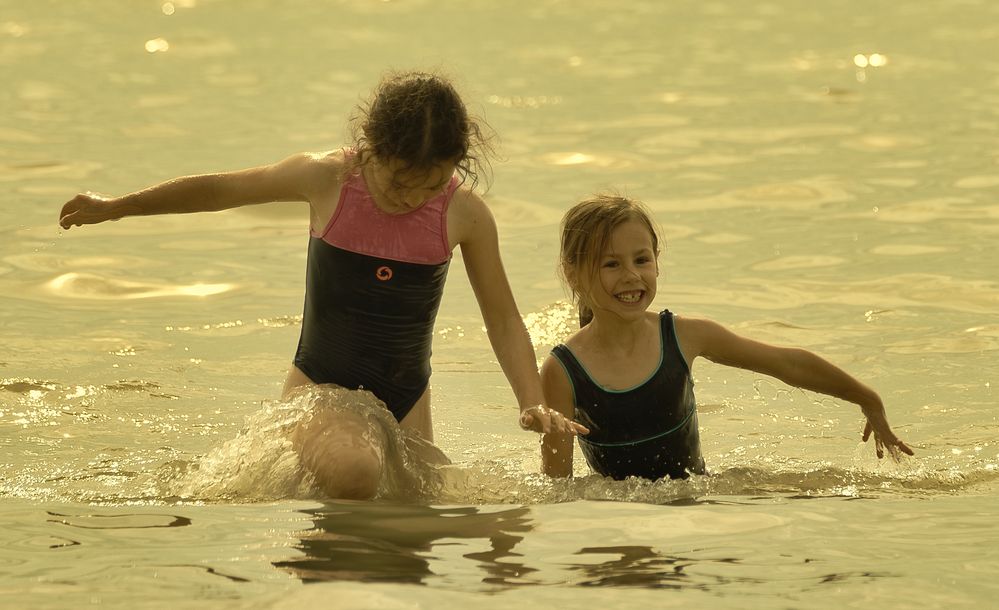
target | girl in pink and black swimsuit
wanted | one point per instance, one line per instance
(385, 216)
(372, 288)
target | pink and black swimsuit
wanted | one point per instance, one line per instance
(373, 285)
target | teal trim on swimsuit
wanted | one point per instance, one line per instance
(644, 440)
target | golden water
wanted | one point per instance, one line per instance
(826, 176)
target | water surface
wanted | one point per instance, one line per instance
(825, 177)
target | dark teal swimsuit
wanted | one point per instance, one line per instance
(647, 431)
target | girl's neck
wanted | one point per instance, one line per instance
(619, 354)
(610, 331)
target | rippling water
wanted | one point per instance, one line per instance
(826, 177)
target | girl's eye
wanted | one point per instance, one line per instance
(610, 264)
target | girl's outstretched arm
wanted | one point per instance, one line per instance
(293, 179)
(797, 367)
(476, 232)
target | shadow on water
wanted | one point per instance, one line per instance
(486, 548)
(684, 545)
(392, 543)
(640, 566)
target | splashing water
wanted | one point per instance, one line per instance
(262, 463)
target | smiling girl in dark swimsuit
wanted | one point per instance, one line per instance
(626, 373)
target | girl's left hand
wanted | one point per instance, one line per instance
(884, 438)
(547, 421)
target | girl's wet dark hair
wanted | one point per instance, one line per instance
(418, 118)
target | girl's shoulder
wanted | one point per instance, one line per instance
(337, 162)
(469, 219)
(321, 176)
(320, 167)
(466, 202)
(693, 324)
(702, 337)
(688, 328)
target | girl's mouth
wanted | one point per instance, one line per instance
(630, 296)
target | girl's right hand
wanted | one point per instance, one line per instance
(85, 209)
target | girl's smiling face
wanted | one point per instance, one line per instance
(399, 189)
(627, 271)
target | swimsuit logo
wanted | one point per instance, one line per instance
(383, 273)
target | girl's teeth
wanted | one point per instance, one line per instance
(630, 297)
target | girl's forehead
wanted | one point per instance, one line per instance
(631, 234)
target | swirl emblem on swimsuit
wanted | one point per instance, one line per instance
(383, 273)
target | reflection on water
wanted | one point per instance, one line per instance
(386, 543)
(402, 544)
(492, 548)
(91, 286)
(637, 566)
(119, 520)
